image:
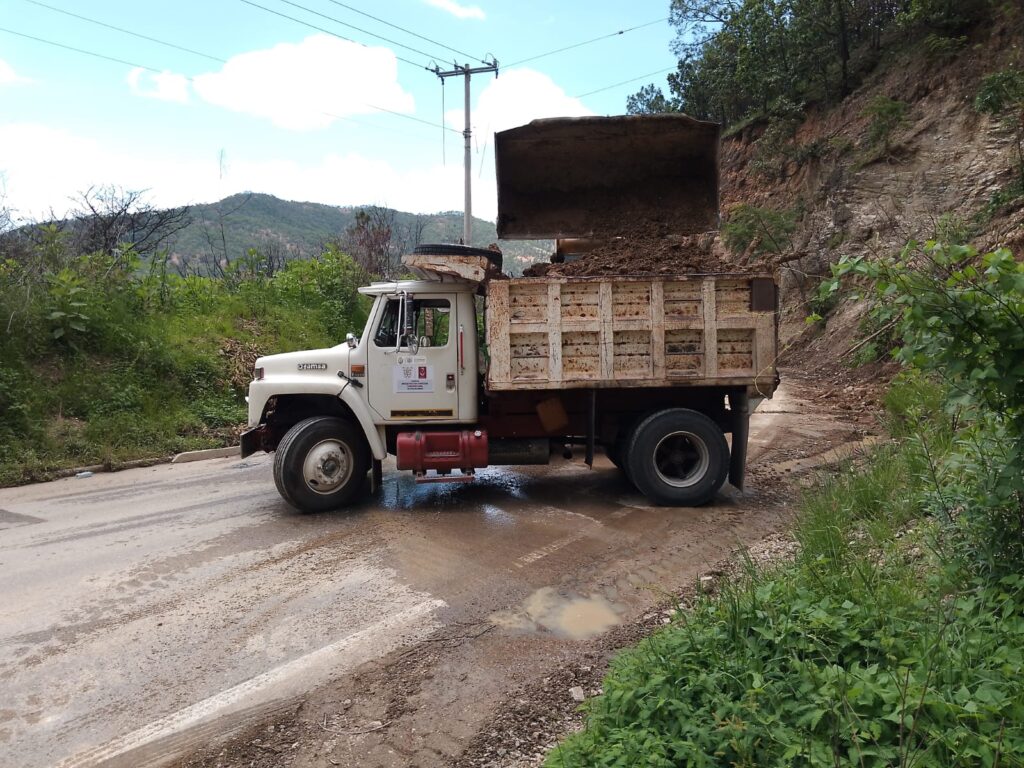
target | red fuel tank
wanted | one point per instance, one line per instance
(441, 451)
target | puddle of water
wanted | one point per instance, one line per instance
(574, 617)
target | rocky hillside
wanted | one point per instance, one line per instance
(936, 167)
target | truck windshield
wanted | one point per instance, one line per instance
(430, 318)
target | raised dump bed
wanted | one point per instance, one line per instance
(687, 330)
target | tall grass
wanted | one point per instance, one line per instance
(106, 359)
(877, 646)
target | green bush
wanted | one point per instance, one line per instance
(778, 672)
(876, 647)
(1008, 195)
(953, 229)
(943, 47)
(960, 315)
(767, 230)
(1000, 91)
(886, 116)
(137, 361)
(946, 15)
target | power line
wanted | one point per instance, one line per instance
(357, 29)
(126, 31)
(335, 34)
(407, 31)
(82, 51)
(191, 79)
(586, 42)
(625, 82)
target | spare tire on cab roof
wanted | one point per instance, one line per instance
(453, 249)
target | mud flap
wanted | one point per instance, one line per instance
(739, 408)
(252, 440)
(591, 428)
(376, 476)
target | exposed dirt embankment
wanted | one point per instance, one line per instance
(933, 175)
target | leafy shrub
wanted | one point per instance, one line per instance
(946, 15)
(775, 147)
(957, 313)
(953, 229)
(139, 361)
(1008, 195)
(766, 230)
(15, 395)
(780, 671)
(942, 47)
(1000, 91)
(960, 315)
(886, 116)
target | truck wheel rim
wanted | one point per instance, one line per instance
(327, 467)
(681, 459)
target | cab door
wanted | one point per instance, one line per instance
(415, 381)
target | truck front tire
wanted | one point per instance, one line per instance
(678, 458)
(321, 463)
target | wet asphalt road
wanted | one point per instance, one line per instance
(146, 603)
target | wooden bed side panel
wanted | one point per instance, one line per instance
(613, 332)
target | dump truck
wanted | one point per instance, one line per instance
(659, 372)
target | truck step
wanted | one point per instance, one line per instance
(444, 478)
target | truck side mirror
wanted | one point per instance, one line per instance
(408, 316)
(406, 334)
(351, 340)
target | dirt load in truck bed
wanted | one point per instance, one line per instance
(648, 250)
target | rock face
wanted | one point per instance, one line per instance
(940, 169)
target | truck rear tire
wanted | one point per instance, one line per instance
(321, 463)
(678, 458)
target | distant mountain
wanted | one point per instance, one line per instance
(240, 222)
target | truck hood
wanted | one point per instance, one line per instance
(603, 176)
(317, 362)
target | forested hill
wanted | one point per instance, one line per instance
(299, 229)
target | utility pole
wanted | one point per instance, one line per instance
(467, 72)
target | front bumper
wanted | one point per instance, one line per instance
(252, 440)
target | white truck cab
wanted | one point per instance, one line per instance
(416, 362)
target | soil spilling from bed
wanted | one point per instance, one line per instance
(648, 248)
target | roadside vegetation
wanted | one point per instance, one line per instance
(745, 61)
(108, 355)
(896, 637)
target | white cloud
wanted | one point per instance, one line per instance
(295, 85)
(50, 166)
(459, 11)
(517, 98)
(9, 77)
(165, 86)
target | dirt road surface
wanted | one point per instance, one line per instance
(184, 614)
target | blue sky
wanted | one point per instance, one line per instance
(289, 110)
